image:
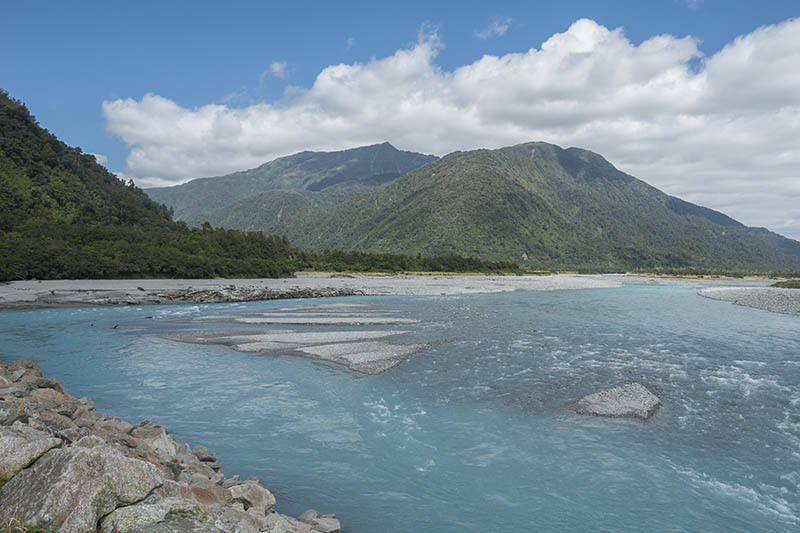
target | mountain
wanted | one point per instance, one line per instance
(325, 178)
(542, 206)
(62, 215)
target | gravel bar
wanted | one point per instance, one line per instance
(784, 301)
(59, 293)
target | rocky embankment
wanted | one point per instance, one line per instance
(70, 468)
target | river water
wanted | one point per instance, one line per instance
(473, 433)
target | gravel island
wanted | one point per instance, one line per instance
(55, 293)
(785, 301)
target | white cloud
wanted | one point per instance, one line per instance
(100, 158)
(497, 27)
(723, 134)
(239, 95)
(350, 42)
(279, 70)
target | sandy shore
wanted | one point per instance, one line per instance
(55, 293)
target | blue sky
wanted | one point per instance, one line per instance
(65, 60)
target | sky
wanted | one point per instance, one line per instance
(700, 98)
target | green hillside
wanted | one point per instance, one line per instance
(64, 216)
(545, 207)
(271, 212)
(332, 177)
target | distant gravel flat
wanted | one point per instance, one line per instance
(55, 293)
(785, 301)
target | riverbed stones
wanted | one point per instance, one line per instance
(632, 400)
(364, 357)
(349, 348)
(329, 321)
(774, 299)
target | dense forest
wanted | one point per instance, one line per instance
(62, 216)
(535, 203)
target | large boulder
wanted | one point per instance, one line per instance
(20, 446)
(71, 489)
(156, 438)
(253, 497)
(326, 524)
(231, 519)
(632, 400)
(145, 514)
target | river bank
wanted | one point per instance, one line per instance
(70, 468)
(776, 300)
(34, 294)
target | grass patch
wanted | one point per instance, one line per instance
(15, 526)
(787, 284)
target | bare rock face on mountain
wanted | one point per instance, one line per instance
(72, 469)
(632, 400)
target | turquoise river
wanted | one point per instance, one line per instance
(474, 433)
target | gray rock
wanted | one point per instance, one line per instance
(253, 496)
(275, 523)
(308, 516)
(326, 525)
(179, 525)
(202, 453)
(231, 481)
(156, 438)
(298, 526)
(12, 410)
(20, 446)
(56, 422)
(198, 479)
(71, 489)
(203, 469)
(231, 519)
(111, 475)
(90, 441)
(135, 517)
(629, 400)
(54, 400)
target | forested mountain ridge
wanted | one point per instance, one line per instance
(545, 207)
(62, 215)
(325, 178)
